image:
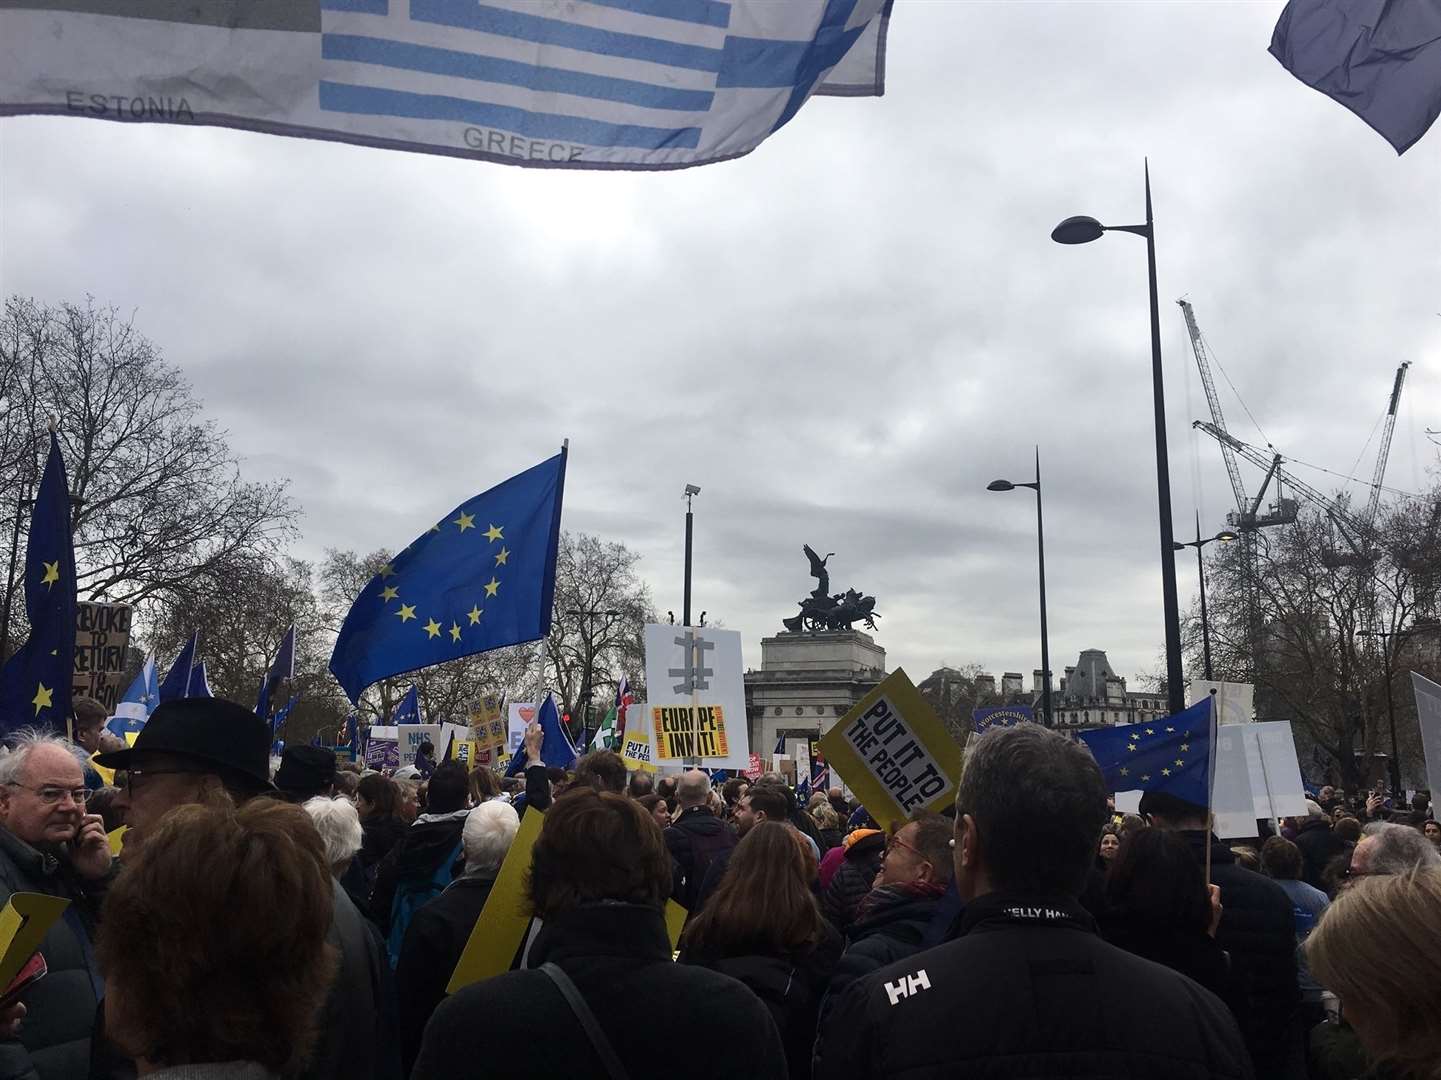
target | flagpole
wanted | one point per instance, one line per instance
(1210, 780)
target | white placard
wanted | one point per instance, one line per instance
(411, 736)
(674, 677)
(1428, 716)
(1232, 801)
(518, 716)
(1276, 785)
(1128, 802)
(1235, 701)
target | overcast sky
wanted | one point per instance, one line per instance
(841, 337)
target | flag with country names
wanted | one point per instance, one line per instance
(1001, 716)
(631, 84)
(480, 578)
(1171, 755)
(35, 681)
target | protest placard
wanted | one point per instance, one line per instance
(691, 668)
(894, 753)
(102, 632)
(1428, 717)
(24, 921)
(501, 926)
(635, 747)
(1235, 701)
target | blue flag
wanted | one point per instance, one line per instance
(138, 702)
(556, 751)
(1001, 716)
(283, 670)
(277, 722)
(200, 682)
(1171, 755)
(35, 682)
(1380, 60)
(179, 679)
(480, 579)
(407, 710)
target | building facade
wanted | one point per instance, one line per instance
(806, 682)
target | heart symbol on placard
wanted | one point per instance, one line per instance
(527, 714)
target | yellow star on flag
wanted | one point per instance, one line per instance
(1131, 747)
(501, 557)
(454, 631)
(390, 592)
(1150, 732)
(1165, 772)
(43, 698)
(1135, 735)
(1180, 762)
(493, 534)
(1170, 730)
(492, 587)
(1125, 771)
(432, 628)
(465, 521)
(1145, 779)
(52, 573)
(1185, 747)
(474, 615)
(406, 612)
(387, 571)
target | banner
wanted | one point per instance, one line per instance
(1001, 716)
(102, 632)
(697, 667)
(894, 753)
(640, 84)
(689, 731)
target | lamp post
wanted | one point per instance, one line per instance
(691, 491)
(1006, 485)
(590, 615)
(1225, 536)
(1082, 230)
(1390, 699)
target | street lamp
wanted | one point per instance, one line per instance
(590, 615)
(1390, 700)
(1082, 230)
(1006, 485)
(1225, 536)
(691, 491)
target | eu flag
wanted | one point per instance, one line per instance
(407, 710)
(480, 578)
(556, 749)
(35, 682)
(1171, 755)
(179, 681)
(283, 670)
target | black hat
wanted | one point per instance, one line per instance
(213, 731)
(305, 770)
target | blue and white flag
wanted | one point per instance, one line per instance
(138, 702)
(632, 84)
(1001, 716)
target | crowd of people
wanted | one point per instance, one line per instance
(303, 918)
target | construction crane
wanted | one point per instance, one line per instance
(1351, 530)
(1247, 516)
(1385, 451)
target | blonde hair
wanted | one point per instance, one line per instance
(1380, 943)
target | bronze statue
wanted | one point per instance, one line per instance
(821, 611)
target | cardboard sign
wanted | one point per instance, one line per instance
(635, 748)
(24, 921)
(756, 767)
(689, 731)
(894, 753)
(1276, 784)
(520, 715)
(501, 926)
(689, 666)
(410, 736)
(1235, 701)
(102, 632)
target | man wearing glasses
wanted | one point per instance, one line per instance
(49, 844)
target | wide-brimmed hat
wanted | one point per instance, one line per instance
(305, 770)
(210, 731)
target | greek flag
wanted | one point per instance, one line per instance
(637, 84)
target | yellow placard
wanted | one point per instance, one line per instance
(117, 839)
(675, 917)
(130, 737)
(894, 753)
(689, 731)
(501, 926)
(108, 775)
(635, 746)
(24, 921)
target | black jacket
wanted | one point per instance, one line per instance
(1319, 845)
(1194, 954)
(433, 944)
(790, 986)
(416, 856)
(1028, 991)
(695, 839)
(1258, 931)
(892, 924)
(54, 1039)
(852, 880)
(377, 836)
(358, 1037)
(618, 956)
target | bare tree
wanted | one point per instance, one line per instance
(158, 501)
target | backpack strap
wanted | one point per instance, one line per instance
(613, 1068)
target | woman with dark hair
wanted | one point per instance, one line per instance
(599, 878)
(236, 997)
(378, 800)
(1109, 848)
(762, 926)
(655, 806)
(1159, 907)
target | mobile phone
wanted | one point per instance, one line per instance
(33, 970)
